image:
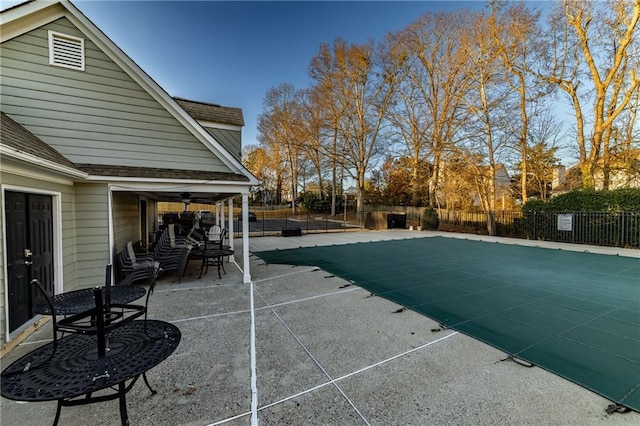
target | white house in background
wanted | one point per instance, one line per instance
(623, 173)
(89, 145)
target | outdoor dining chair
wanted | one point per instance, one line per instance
(214, 233)
(136, 266)
(172, 253)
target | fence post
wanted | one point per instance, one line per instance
(622, 214)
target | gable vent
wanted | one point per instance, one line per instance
(66, 51)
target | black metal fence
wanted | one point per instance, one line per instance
(597, 228)
(271, 223)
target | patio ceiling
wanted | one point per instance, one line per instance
(200, 197)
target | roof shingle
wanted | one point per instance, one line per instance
(16, 136)
(211, 112)
(158, 173)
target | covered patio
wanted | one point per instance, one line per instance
(297, 345)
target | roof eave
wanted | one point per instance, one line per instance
(10, 152)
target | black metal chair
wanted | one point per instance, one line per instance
(136, 266)
(106, 352)
(212, 253)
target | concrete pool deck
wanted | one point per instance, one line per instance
(299, 346)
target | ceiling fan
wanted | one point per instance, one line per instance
(187, 198)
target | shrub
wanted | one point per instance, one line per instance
(533, 205)
(589, 200)
(610, 218)
(430, 219)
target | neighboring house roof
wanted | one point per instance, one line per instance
(571, 180)
(215, 113)
(623, 172)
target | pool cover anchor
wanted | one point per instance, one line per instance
(441, 326)
(518, 361)
(617, 408)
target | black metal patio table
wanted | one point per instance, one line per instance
(212, 254)
(75, 302)
(72, 371)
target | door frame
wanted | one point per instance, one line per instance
(56, 209)
(143, 214)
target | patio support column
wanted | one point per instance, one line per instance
(245, 238)
(222, 214)
(218, 214)
(231, 244)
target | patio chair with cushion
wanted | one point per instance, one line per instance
(214, 233)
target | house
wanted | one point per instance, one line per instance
(624, 172)
(89, 145)
(469, 187)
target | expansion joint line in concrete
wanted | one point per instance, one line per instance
(203, 287)
(326, 373)
(353, 373)
(246, 311)
(254, 392)
(305, 299)
(315, 268)
(254, 381)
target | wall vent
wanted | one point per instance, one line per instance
(66, 51)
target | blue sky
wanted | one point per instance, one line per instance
(231, 53)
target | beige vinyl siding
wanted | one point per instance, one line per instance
(126, 219)
(68, 232)
(230, 139)
(92, 233)
(96, 116)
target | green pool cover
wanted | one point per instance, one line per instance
(575, 314)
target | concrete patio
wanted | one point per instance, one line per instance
(299, 346)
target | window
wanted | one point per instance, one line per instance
(66, 51)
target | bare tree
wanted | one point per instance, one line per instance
(279, 121)
(323, 69)
(625, 145)
(271, 139)
(364, 88)
(430, 107)
(516, 34)
(488, 101)
(255, 159)
(311, 120)
(591, 64)
(409, 117)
